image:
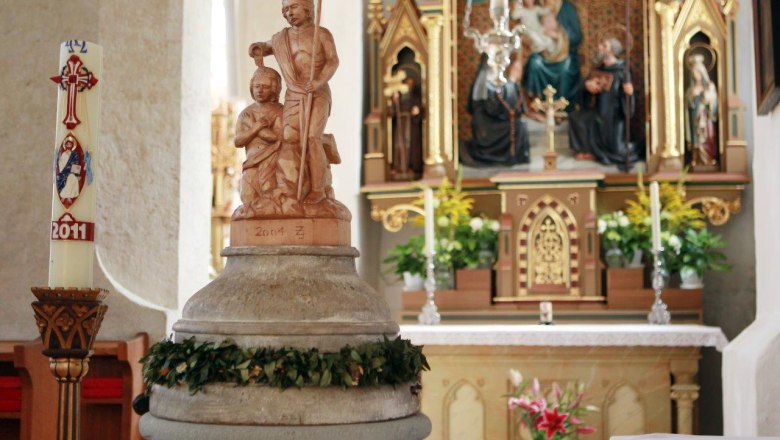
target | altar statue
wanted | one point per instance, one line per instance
(306, 55)
(406, 111)
(554, 41)
(259, 130)
(500, 137)
(597, 131)
(701, 114)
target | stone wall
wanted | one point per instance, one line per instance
(152, 237)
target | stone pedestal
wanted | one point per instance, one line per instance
(287, 296)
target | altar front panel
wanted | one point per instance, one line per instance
(465, 393)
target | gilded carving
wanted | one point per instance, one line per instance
(522, 199)
(717, 210)
(549, 253)
(395, 217)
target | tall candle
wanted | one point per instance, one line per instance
(430, 234)
(655, 215)
(499, 4)
(72, 232)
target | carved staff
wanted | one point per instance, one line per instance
(309, 99)
(627, 108)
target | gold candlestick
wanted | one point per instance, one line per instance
(68, 321)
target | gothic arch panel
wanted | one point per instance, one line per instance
(464, 413)
(624, 412)
(548, 248)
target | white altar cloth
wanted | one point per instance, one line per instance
(582, 335)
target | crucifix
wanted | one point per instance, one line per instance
(551, 108)
(74, 78)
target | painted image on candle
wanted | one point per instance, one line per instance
(70, 170)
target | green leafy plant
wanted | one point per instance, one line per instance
(700, 252)
(478, 239)
(196, 364)
(407, 257)
(618, 232)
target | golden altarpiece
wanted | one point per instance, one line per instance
(548, 240)
(665, 36)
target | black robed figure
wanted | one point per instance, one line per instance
(500, 137)
(597, 131)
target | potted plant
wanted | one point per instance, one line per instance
(699, 252)
(556, 415)
(622, 241)
(478, 239)
(407, 261)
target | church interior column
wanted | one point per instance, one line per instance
(434, 163)
(670, 157)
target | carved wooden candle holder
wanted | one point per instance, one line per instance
(68, 320)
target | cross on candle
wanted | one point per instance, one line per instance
(74, 78)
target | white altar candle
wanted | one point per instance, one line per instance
(655, 215)
(430, 235)
(499, 4)
(72, 231)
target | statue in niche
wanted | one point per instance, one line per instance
(554, 35)
(259, 130)
(306, 55)
(597, 131)
(500, 136)
(406, 110)
(701, 114)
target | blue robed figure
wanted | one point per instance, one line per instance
(555, 61)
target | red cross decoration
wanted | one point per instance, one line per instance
(74, 78)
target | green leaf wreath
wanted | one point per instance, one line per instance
(196, 364)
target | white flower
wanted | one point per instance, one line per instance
(602, 226)
(623, 222)
(612, 224)
(476, 224)
(443, 221)
(181, 368)
(494, 226)
(647, 221)
(444, 243)
(435, 203)
(515, 377)
(675, 243)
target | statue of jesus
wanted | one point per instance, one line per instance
(307, 100)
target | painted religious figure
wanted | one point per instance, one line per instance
(259, 130)
(701, 114)
(406, 110)
(597, 131)
(306, 55)
(70, 170)
(554, 34)
(500, 136)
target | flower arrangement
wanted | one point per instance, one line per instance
(618, 233)
(408, 257)
(478, 240)
(555, 416)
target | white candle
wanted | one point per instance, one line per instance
(499, 4)
(430, 234)
(545, 312)
(655, 214)
(72, 248)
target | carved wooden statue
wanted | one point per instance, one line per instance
(300, 184)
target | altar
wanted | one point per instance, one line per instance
(641, 377)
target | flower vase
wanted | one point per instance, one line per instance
(413, 282)
(445, 280)
(690, 279)
(636, 259)
(614, 257)
(485, 257)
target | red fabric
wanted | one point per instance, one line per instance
(10, 382)
(10, 405)
(101, 393)
(10, 394)
(102, 382)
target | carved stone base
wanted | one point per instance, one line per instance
(300, 296)
(296, 232)
(416, 427)
(550, 161)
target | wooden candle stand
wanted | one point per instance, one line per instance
(68, 321)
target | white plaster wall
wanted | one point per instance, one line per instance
(143, 219)
(750, 363)
(258, 21)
